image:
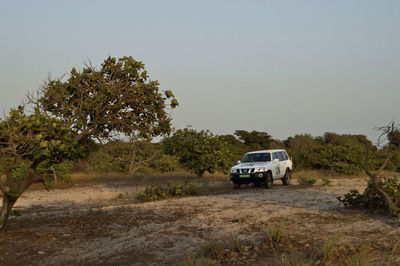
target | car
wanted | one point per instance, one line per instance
(261, 168)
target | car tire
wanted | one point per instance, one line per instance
(268, 180)
(286, 178)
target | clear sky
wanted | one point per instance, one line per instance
(284, 67)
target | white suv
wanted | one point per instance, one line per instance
(262, 168)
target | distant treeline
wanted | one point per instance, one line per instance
(335, 153)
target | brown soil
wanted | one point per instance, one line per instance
(101, 223)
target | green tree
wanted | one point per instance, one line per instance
(116, 100)
(236, 147)
(199, 151)
(299, 147)
(254, 140)
(28, 142)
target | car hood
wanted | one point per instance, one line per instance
(251, 165)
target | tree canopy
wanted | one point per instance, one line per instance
(117, 98)
(199, 151)
(254, 139)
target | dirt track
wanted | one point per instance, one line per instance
(97, 224)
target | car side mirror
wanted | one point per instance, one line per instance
(276, 160)
(239, 162)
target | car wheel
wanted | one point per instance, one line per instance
(286, 178)
(268, 180)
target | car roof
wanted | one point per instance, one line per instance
(275, 150)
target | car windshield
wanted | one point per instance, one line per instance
(256, 157)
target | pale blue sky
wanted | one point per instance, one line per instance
(284, 67)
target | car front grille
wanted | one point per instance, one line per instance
(247, 170)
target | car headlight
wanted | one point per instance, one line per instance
(260, 169)
(233, 170)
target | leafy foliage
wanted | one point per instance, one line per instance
(255, 140)
(27, 140)
(307, 181)
(371, 199)
(199, 151)
(159, 192)
(117, 99)
(326, 181)
(338, 159)
(341, 154)
(127, 156)
(394, 138)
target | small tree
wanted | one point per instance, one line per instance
(28, 142)
(393, 203)
(381, 192)
(199, 151)
(93, 104)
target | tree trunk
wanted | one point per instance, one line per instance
(394, 209)
(54, 174)
(17, 188)
(200, 173)
(6, 210)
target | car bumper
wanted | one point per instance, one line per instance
(248, 178)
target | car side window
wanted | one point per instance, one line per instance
(280, 156)
(275, 156)
(284, 155)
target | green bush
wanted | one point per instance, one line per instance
(326, 181)
(371, 199)
(338, 159)
(166, 163)
(199, 151)
(307, 181)
(338, 154)
(158, 192)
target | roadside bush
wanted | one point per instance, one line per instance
(199, 151)
(326, 181)
(158, 192)
(166, 163)
(128, 157)
(371, 199)
(308, 181)
(338, 159)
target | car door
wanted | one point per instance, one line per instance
(283, 162)
(276, 166)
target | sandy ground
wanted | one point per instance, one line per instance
(99, 224)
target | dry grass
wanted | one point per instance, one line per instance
(319, 174)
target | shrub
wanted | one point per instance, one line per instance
(158, 192)
(338, 159)
(326, 181)
(199, 151)
(370, 198)
(167, 163)
(307, 181)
